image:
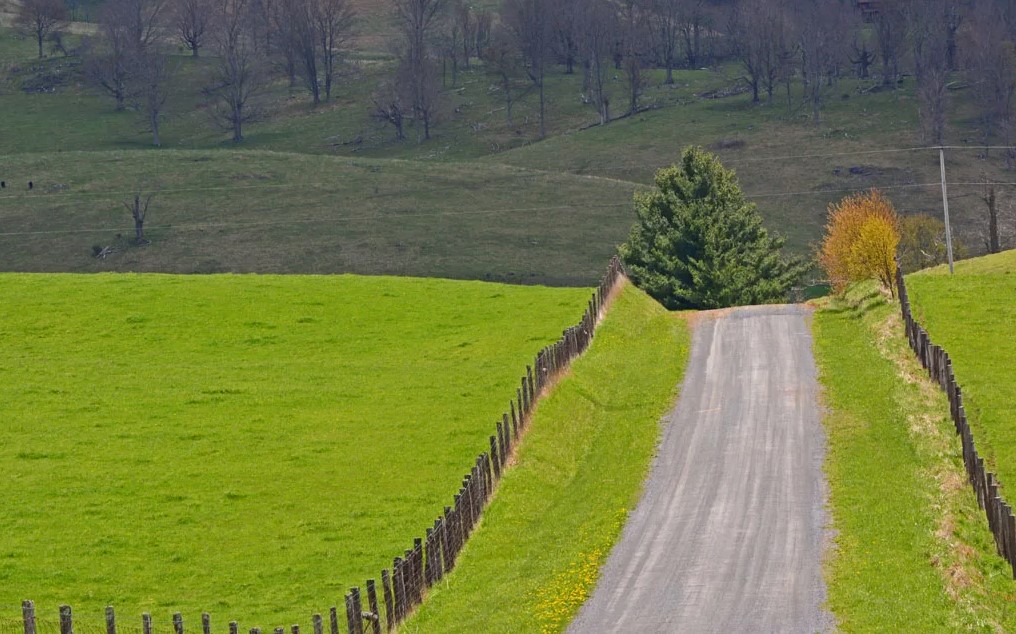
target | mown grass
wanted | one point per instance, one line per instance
(267, 212)
(971, 315)
(536, 555)
(247, 445)
(911, 549)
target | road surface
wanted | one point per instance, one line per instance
(729, 534)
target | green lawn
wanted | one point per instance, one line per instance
(247, 445)
(911, 551)
(971, 315)
(537, 553)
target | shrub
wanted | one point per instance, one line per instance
(860, 242)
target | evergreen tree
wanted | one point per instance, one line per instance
(699, 244)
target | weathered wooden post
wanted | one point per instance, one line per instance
(28, 615)
(110, 620)
(66, 620)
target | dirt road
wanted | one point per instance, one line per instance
(729, 534)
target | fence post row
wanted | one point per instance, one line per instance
(938, 363)
(430, 559)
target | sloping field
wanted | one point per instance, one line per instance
(251, 446)
(971, 315)
(268, 212)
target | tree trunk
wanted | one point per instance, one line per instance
(993, 242)
(237, 125)
(38, 37)
(543, 113)
(155, 130)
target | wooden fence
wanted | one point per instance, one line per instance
(986, 485)
(432, 556)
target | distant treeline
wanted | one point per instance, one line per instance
(611, 43)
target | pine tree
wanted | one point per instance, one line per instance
(699, 244)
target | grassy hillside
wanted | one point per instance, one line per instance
(535, 557)
(222, 211)
(247, 445)
(772, 146)
(971, 315)
(912, 550)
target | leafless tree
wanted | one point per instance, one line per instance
(483, 30)
(128, 29)
(633, 40)
(39, 18)
(462, 15)
(566, 18)
(666, 28)
(929, 42)
(694, 20)
(821, 36)
(334, 21)
(452, 42)
(529, 23)
(599, 36)
(890, 28)
(190, 18)
(138, 207)
(757, 30)
(152, 79)
(990, 60)
(418, 19)
(991, 202)
(298, 34)
(503, 59)
(239, 75)
(390, 107)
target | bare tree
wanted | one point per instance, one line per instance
(484, 29)
(298, 34)
(666, 29)
(599, 36)
(890, 28)
(992, 243)
(929, 41)
(462, 15)
(418, 19)
(452, 40)
(565, 26)
(239, 75)
(529, 23)
(390, 107)
(139, 209)
(633, 39)
(757, 30)
(39, 18)
(334, 20)
(694, 20)
(990, 59)
(190, 18)
(128, 30)
(821, 37)
(503, 59)
(152, 77)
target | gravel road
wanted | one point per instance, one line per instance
(729, 534)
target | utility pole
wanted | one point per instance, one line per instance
(945, 209)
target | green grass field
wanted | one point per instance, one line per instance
(247, 445)
(911, 551)
(970, 314)
(558, 512)
(220, 211)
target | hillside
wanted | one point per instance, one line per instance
(791, 167)
(250, 446)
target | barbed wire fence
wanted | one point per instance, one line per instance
(404, 586)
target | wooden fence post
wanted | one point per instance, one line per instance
(178, 623)
(206, 623)
(317, 624)
(333, 620)
(372, 605)
(386, 591)
(146, 623)
(110, 620)
(234, 627)
(66, 620)
(28, 615)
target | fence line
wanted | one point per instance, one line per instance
(985, 483)
(405, 585)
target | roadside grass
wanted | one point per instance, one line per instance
(250, 446)
(268, 212)
(971, 315)
(537, 553)
(911, 551)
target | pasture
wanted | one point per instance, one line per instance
(250, 446)
(970, 315)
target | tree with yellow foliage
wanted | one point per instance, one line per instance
(860, 242)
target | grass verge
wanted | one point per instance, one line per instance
(247, 445)
(912, 550)
(537, 553)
